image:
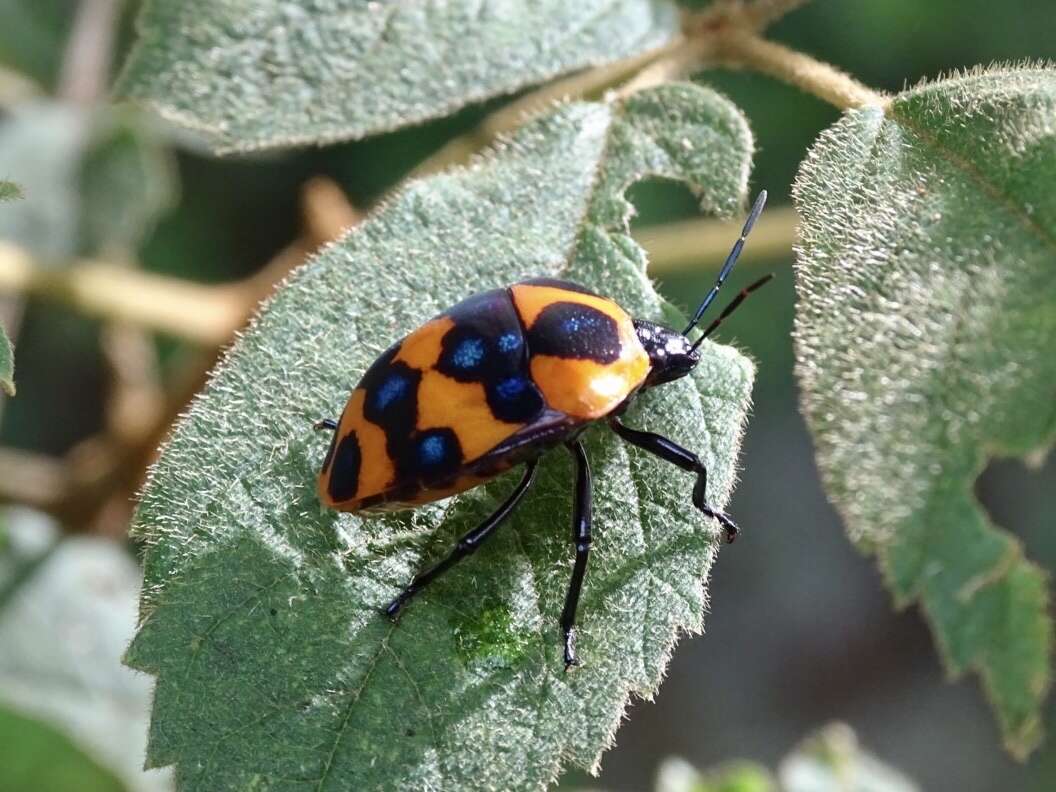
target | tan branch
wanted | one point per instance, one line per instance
(86, 63)
(200, 314)
(739, 48)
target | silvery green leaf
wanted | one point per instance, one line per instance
(925, 332)
(260, 74)
(260, 608)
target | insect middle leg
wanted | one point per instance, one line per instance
(581, 520)
(466, 545)
(671, 452)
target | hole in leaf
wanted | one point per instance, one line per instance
(1019, 498)
(658, 200)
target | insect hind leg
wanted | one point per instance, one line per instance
(581, 523)
(467, 545)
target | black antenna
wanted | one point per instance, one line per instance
(729, 309)
(731, 259)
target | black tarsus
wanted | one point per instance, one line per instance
(466, 545)
(671, 452)
(325, 423)
(731, 259)
(581, 520)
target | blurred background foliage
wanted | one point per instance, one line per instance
(801, 631)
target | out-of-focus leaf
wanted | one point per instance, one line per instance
(926, 326)
(259, 74)
(678, 775)
(32, 36)
(832, 761)
(38, 757)
(40, 147)
(91, 180)
(67, 610)
(260, 609)
(127, 181)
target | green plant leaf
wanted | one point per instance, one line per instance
(32, 37)
(261, 74)
(94, 180)
(9, 191)
(831, 760)
(67, 612)
(260, 608)
(925, 329)
(36, 756)
(678, 775)
(7, 364)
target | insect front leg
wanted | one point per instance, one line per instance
(671, 452)
(581, 520)
(466, 545)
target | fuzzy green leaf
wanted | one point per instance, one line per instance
(926, 326)
(260, 74)
(260, 608)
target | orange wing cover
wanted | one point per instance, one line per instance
(475, 390)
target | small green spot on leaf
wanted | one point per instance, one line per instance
(488, 634)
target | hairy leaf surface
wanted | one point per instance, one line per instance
(926, 326)
(260, 609)
(259, 74)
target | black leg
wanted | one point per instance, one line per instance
(466, 545)
(687, 460)
(581, 517)
(326, 423)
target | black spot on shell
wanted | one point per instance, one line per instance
(469, 356)
(514, 399)
(572, 330)
(391, 400)
(344, 476)
(431, 455)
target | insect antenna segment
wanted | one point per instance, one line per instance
(731, 259)
(729, 309)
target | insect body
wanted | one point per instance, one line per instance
(495, 382)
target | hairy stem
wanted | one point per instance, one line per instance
(745, 49)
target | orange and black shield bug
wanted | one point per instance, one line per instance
(497, 381)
